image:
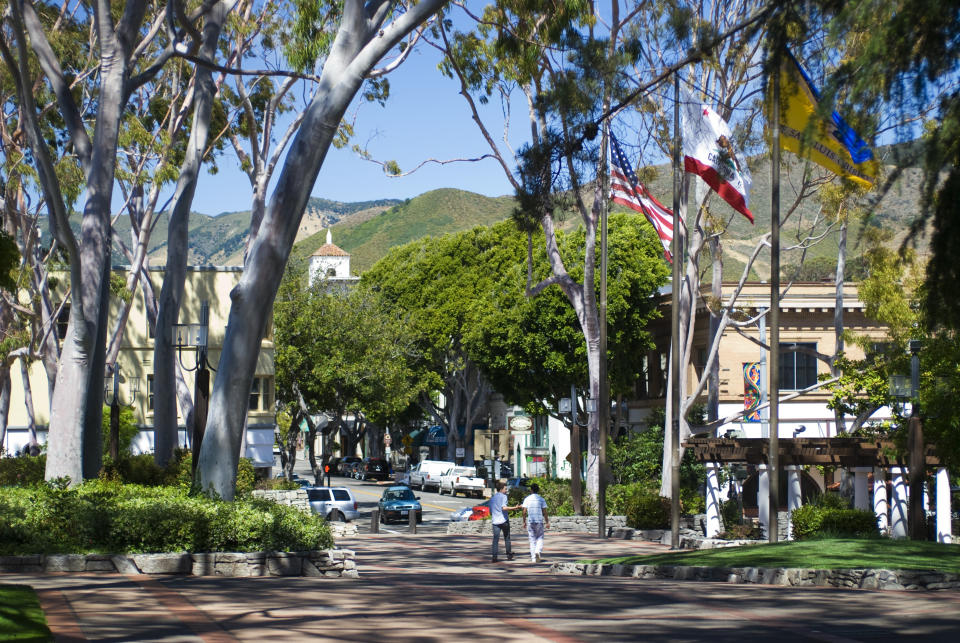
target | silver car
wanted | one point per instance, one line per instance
(333, 503)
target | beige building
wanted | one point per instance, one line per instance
(806, 319)
(207, 288)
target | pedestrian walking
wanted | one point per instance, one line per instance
(535, 520)
(501, 520)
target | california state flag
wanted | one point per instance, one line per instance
(708, 152)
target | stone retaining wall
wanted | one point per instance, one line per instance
(848, 578)
(558, 524)
(339, 563)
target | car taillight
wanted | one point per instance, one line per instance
(458, 478)
(354, 505)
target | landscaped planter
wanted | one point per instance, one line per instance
(338, 563)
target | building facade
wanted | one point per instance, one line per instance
(206, 297)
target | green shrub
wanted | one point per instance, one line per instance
(619, 497)
(648, 510)
(23, 470)
(107, 516)
(832, 501)
(692, 502)
(818, 521)
(731, 513)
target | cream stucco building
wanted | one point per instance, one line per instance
(207, 288)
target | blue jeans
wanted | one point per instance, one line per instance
(505, 528)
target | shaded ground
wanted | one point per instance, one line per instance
(431, 587)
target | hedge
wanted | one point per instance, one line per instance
(108, 517)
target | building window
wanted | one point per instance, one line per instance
(150, 392)
(255, 395)
(797, 370)
(261, 394)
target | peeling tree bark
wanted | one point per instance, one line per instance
(361, 42)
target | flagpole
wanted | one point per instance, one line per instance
(773, 489)
(675, 330)
(604, 409)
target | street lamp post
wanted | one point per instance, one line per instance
(196, 336)
(111, 393)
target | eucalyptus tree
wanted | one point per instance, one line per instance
(569, 61)
(531, 349)
(351, 39)
(129, 47)
(29, 311)
(203, 88)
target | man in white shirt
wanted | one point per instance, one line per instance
(535, 520)
(501, 520)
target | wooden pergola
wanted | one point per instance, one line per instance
(840, 452)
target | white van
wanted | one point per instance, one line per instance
(426, 474)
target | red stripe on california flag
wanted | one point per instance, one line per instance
(721, 187)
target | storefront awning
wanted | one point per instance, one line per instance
(435, 437)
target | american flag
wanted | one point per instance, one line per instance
(626, 190)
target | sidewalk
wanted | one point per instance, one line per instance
(430, 587)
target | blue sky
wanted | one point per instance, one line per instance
(424, 117)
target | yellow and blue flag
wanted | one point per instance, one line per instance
(833, 145)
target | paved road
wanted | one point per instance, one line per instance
(436, 508)
(429, 587)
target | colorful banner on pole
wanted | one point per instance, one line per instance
(751, 391)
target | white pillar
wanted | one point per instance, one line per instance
(944, 527)
(794, 496)
(899, 504)
(861, 489)
(881, 506)
(763, 499)
(713, 500)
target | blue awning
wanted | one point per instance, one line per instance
(435, 437)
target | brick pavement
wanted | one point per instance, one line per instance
(430, 587)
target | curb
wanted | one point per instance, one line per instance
(875, 579)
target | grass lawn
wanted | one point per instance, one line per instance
(832, 553)
(21, 618)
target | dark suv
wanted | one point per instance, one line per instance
(373, 468)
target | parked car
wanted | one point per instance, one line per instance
(426, 473)
(461, 480)
(397, 502)
(345, 466)
(375, 468)
(463, 514)
(523, 484)
(333, 503)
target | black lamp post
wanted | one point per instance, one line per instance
(197, 336)
(111, 393)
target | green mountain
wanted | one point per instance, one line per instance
(221, 239)
(433, 213)
(368, 229)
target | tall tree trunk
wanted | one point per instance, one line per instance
(4, 404)
(360, 43)
(171, 293)
(838, 317)
(77, 402)
(716, 292)
(28, 402)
